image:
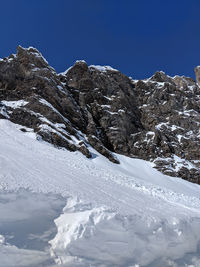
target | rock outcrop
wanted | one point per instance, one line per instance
(197, 74)
(156, 119)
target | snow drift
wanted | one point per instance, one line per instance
(113, 215)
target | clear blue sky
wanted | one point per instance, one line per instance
(138, 37)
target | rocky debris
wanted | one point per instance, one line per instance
(156, 119)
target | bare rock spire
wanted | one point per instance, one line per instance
(197, 74)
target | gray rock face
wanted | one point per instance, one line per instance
(155, 119)
(197, 74)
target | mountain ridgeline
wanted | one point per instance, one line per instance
(155, 119)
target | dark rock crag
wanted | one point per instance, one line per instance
(156, 119)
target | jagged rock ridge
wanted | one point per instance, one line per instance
(156, 119)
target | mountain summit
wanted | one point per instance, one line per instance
(155, 119)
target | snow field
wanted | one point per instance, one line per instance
(115, 215)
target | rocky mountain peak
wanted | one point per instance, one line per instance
(197, 74)
(160, 76)
(155, 119)
(31, 56)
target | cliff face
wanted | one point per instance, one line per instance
(156, 119)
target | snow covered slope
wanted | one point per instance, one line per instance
(156, 119)
(114, 215)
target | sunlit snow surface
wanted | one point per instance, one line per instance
(60, 208)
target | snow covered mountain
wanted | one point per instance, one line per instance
(155, 119)
(106, 214)
(72, 206)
